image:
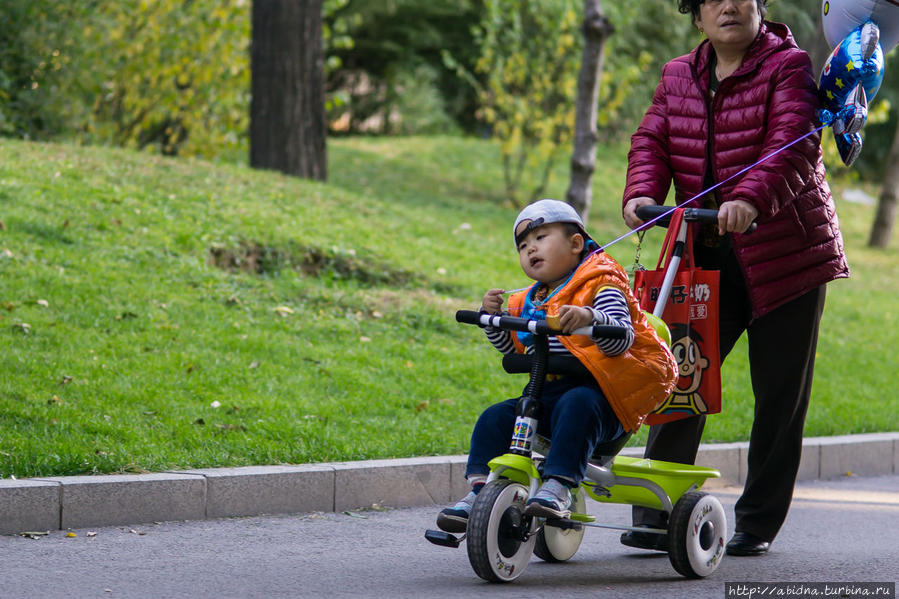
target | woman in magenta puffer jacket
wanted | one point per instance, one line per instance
(743, 93)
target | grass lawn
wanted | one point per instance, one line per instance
(159, 313)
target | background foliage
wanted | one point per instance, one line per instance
(172, 76)
(529, 62)
(160, 313)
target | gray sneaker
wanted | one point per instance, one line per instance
(552, 500)
(455, 519)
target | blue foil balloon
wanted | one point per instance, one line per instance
(857, 60)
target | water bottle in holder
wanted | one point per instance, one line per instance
(527, 412)
(524, 434)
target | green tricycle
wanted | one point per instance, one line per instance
(500, 538)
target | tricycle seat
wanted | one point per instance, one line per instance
(566, 365)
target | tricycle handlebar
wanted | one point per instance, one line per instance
(702, 215)
(540, 327)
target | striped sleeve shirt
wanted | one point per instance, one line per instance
(609, 308)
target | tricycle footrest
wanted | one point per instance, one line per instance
(444, 539)
(563, 523)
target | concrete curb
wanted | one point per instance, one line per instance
(62, 503)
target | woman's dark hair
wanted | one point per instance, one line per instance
(692, 6)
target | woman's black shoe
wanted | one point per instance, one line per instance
(645, 540)
(744, 543)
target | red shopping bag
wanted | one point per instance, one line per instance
(691, 313)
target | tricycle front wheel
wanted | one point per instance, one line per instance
(498, 537)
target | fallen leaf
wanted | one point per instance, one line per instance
(65, 380)
(71, 535)
(355, 515)
(91, 534)
(364, 339)
(43, 302)
(216, 404)
(254, 364)
(284, 310)
(22, 327)
(422, 406)
(314, 516)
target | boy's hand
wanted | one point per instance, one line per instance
(493, 301)
(574, 317)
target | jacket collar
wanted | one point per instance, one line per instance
(771, 38)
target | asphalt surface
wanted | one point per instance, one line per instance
(838, 531)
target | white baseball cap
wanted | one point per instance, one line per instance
(545, 212)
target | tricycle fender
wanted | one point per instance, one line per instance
(515, 467)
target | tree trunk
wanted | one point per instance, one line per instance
(596, 29)
(886, 204)
(287, 110)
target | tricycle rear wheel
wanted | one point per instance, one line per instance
(696, 534)
(556, 544)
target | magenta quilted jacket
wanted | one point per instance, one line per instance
(767, 103)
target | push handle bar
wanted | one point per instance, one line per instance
(539, 327)
(700, 215)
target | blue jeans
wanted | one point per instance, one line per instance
(576, 417)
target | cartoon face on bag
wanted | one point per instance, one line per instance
(690, 361)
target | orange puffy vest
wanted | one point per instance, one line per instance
(635, 382)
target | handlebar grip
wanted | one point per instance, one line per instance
(468, 317)
(701, 215)
(513, 323)
(603, 331)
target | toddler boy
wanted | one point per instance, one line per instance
(629, 377)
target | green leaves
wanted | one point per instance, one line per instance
(175, 76)
(529, 62)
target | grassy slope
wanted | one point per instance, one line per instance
(344, 346)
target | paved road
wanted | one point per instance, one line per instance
(841, 530)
